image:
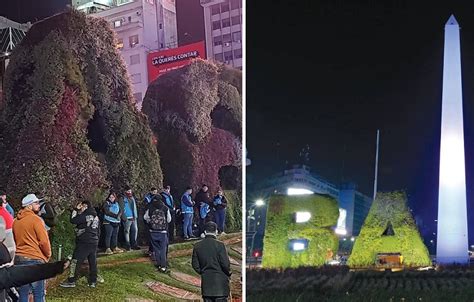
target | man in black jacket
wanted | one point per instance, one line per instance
(85, 218)
(210, 260)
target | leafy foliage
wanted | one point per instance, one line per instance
(389, 208)
(196, 115)
(280, 228)
(65, 75)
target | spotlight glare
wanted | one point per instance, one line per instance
(301, 217)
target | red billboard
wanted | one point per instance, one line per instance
(160, 62)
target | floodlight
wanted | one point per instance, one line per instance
(297, 245)
(298, 191)
(301, 217)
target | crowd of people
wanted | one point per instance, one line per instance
(27, 245)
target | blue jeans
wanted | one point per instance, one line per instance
(220, 219)
(130, 232)
(111, 234)
(36, 287)
(188, 225)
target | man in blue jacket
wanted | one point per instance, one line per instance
(187, 209)
(168, 201)
(129, 219)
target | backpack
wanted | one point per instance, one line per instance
(158, 220)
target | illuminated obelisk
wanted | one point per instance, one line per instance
(452, 243)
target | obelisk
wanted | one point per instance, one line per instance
(452, 242)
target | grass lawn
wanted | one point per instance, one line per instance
(126, 276)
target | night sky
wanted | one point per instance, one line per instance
(329, 74)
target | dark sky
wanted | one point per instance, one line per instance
(31, 10)
(329, 73)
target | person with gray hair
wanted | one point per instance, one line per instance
(211, 261)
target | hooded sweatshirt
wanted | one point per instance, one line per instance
(87, 226)
(31, 237)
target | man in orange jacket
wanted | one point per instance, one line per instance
(32, 244)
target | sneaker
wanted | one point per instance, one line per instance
(100, 279)
(223, 233)
(118, 250)
(108, 252)
(68, 284)
(187, 238)
(163, 270)
(203, 235)
(127, 249)
(93, 285)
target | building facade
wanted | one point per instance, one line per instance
(352, 203)
(141, 26)
(223, 29)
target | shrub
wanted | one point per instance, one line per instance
(389, 208)
(196, 115)
(280, 229)
(64, 77)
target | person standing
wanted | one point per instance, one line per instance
(149, 196)
(147, 201)
(211, 261)
(48, 214)
(203, 200)
(5, 204)
(8, 240)
(187, 209)
(220, 204)
(158, 217)
(112, 214)
(86, 222)
(129, 220)
(169, 202)
(32, 244)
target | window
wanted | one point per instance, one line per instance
(234, 4)
(119, 44)
(135, 59)
(217, 41)
(225, 22)
(216, 25)
(219, 57)
(238, 53)
(161, 26)
(237, 36)
(228, 56)
(117, 23)
(129, 19)
(137, 97)
(215, 10)
(224, 7)
(226, 40)
(235, 20)
(136, 78)
(133, 40)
